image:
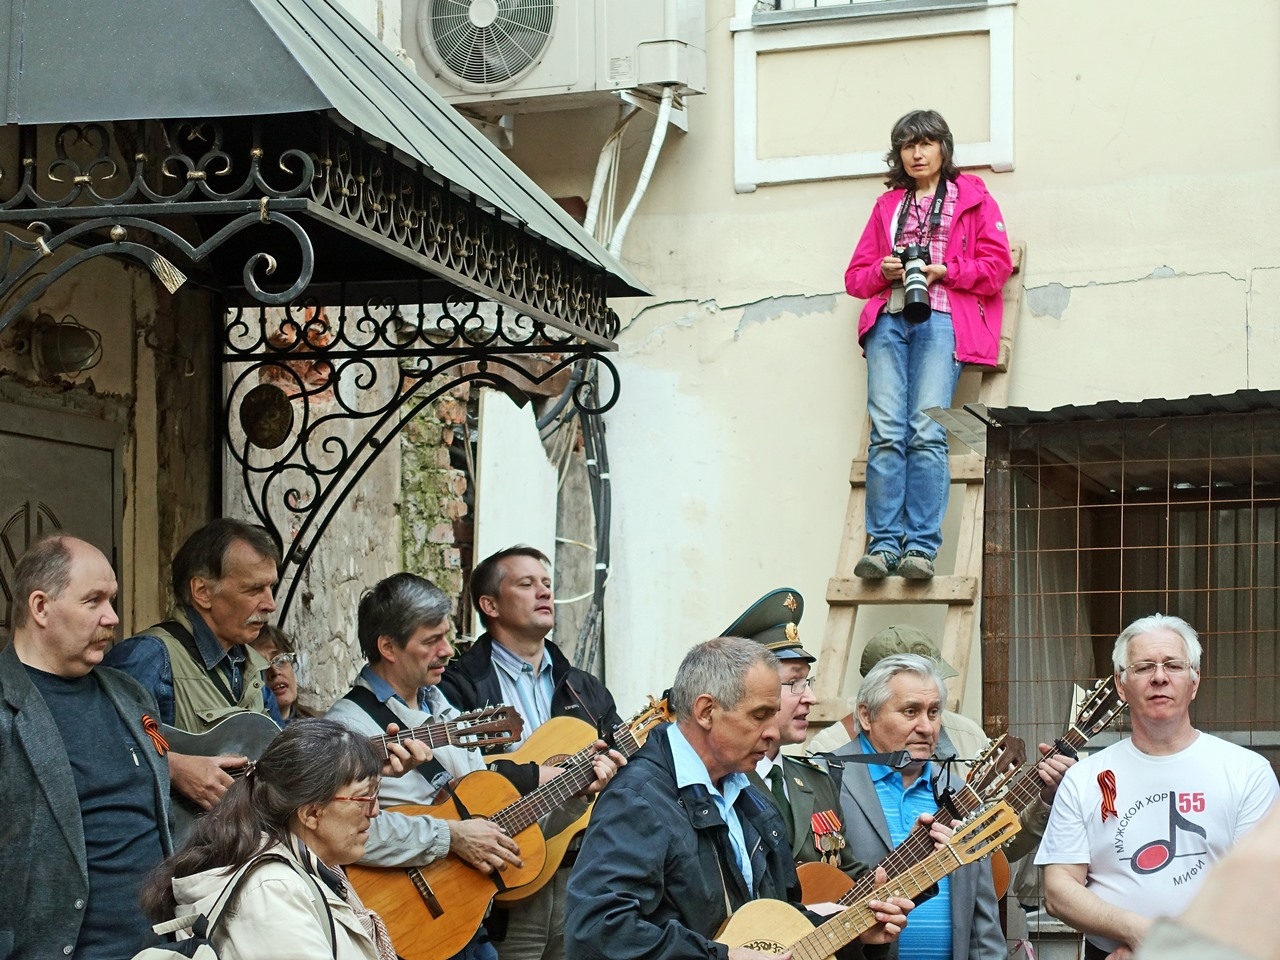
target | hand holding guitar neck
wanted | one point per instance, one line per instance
(402, 754)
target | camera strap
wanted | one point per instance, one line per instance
(935, 211)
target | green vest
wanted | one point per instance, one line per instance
(198, 703)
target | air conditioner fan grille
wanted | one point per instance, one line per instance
(490, 42)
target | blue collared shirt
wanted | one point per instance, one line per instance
(145, 658)
(690, 770)
(928, 935)
(430, 700)
(530, 694)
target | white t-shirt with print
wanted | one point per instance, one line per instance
(1172, 818)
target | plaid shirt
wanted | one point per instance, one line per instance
(916, 228)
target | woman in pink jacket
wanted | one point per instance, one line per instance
(938, 230)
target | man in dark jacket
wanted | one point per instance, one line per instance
(680, 840)
(83, 785)
(514, 662)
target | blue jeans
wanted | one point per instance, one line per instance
(911, 367)
(479, 948)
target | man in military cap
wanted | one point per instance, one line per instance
(960, 737)
(806, 796)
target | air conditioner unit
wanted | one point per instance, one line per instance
(496, 57)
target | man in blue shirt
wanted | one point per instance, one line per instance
(899, 707)
(198, 663)
(680, 840)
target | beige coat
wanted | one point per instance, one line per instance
(274, 917)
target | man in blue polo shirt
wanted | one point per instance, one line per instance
(899, 707)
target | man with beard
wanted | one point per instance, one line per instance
(199, 663)
(83, 787)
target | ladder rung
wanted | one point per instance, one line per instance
(948, 590)
(965, 468)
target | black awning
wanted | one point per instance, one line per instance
(291, 63)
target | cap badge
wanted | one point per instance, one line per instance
(790, 603)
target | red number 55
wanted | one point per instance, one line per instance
(1191, 803)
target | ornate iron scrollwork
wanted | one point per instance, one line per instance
(313, 400)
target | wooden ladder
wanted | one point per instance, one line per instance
(959, 590)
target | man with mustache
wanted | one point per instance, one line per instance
(83, 788)
(1136, 825)
(199, 663)
(404, 627)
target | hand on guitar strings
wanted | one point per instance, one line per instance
(606, 764)
(939, 832)
(891, 914)
(482, 844)
(1052, 769)
(403, 755)
(203, 779)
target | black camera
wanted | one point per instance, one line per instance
(915, 308)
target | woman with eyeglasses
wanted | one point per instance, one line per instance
(281, 674)
(310, 800)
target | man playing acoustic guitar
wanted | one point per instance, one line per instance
(681, 840)
(403, 625)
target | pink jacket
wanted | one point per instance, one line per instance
(978, 264)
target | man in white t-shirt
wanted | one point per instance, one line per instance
(1135, 827)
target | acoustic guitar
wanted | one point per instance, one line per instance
(248, 734)
(772, 926)
(563, 744)
(432, 912)
(990, 779)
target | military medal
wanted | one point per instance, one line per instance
(827, 836)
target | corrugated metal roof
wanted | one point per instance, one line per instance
(1200, 405)
(72, 61)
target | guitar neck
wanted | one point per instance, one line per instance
(846, 926)
(579, 772)
(434, 734)
(919, 844)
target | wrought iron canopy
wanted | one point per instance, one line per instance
(320, 124)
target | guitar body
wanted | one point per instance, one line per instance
(432, 912)
(247, 734)
(1000, 873)
(769, 926)
(822, 883)
(554, 741)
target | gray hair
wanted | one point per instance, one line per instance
(1157, 621)
(45, 567)
(397, 607)
(874, 692)
(718, 668)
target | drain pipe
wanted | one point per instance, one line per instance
(606, 163)
(646, 172)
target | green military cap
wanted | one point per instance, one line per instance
(903, 638)
(771, 621)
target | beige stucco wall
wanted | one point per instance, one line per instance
(1145, 164)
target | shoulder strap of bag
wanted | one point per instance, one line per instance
(364, 698)
(202, 924)
(184, 636)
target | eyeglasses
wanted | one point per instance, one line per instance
(798, 687)
(1145, 668)
(280, 659)
(370, 804)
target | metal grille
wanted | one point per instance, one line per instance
(1112, 521)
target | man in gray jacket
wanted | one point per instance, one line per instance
(899, 707)
(83, 783)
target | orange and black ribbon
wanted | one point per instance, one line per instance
(152, 730)
(1107, 784)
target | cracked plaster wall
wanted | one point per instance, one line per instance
(1142, 188)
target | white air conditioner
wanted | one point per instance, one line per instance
(510, 56)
